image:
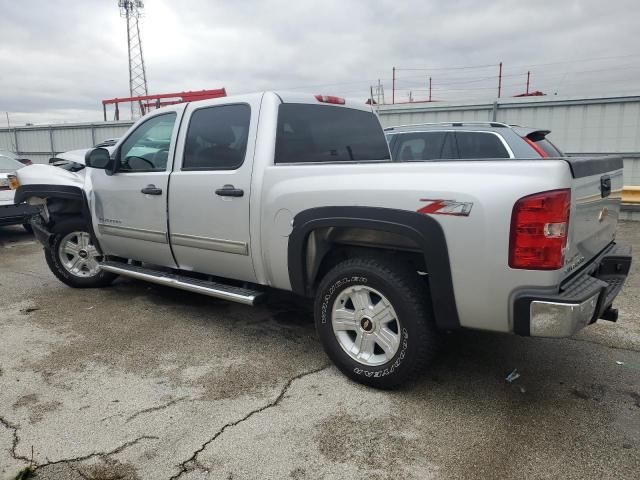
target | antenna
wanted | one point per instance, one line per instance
(132, 11)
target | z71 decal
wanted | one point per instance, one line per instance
(445, 207)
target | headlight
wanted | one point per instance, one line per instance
(14, 183)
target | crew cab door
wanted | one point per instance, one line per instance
(210, 189)
(130, 206)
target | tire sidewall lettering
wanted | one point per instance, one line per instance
(334, 287)
(393, 367)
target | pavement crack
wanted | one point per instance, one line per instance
(192, 463)
(16, 439)
(115, 451)
(155, 409)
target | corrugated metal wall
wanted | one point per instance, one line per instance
(39, 143)
(585, 126)
(579, 126)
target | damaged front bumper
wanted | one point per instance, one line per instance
(580, 301)
(14, 214)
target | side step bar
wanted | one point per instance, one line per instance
(212, 289)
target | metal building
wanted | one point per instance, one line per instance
(580, 126)
(41, 142)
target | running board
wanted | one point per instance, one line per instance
(212, 289)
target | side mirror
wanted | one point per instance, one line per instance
(98, 158)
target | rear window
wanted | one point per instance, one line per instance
(322, 133)
(480, 145)
(548, 148)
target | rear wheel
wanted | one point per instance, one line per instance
(74, 259)
(374, 320)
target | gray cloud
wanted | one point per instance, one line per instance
(59, 59)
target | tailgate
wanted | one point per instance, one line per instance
(596, 193)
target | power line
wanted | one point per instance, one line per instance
(468, 67)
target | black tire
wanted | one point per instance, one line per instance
(51, 253)
(408, 296)
(28, 228)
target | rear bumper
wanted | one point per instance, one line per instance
(579, 301)
(16, 214)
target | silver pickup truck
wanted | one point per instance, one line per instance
(236, 196)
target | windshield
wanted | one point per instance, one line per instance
(7, 153)
(7, 163)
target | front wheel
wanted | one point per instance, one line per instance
(373, 318)
(74, 259)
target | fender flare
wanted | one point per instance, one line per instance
(24, 192)
(424, 230)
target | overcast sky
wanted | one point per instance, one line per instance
(59, 58)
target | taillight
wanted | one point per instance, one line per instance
(536, 147)
(539, 226)
(330, 99)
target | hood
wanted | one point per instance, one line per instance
(77, 156)
(49, 175)
(74, 155)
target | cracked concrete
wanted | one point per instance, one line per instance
(141, 382)
(189, 464)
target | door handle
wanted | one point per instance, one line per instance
(151, 190)
(230, 191)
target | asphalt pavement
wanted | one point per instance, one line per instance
(137, 381)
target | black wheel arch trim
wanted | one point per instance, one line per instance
(424, 230)
(24, 192)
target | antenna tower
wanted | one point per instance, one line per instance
(132, 11)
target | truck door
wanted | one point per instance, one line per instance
(130, 206)
(210, 189)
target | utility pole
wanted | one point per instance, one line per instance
(131, 10)
(528, 78)
(429, 88)
(500, 80)
(393, 87)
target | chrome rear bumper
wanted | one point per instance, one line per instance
(579, 301)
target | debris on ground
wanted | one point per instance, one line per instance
(619, 362)
(513, 376)
(25, 473)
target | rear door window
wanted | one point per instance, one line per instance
(217, 138)
(480, 145)
(423, 146)
(310, 133)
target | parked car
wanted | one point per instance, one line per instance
(236, 196)
(468, 141)
(15, 156)
(10, 213)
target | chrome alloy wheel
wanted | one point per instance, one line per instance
(78, 256)
(366, 325)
